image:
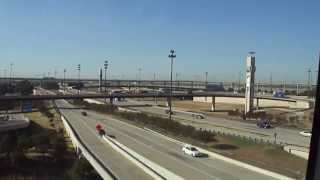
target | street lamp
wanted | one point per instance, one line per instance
(11, 64)
(206, 79)
(106, 64)
(64, 79)
(171, 56)
(79, 69)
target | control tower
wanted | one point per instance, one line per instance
(250, 76)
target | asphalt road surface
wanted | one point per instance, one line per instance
(121, 167)
(156, 148)
(285, 135)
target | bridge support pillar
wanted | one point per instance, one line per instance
(213, 103)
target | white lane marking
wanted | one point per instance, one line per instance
(95, 134)
(174, 150)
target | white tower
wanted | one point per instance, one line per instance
(250, 76)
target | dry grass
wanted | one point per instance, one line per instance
(265, 156)
(40, 119)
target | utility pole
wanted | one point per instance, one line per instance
(79, 69)
(206, 82)
(271, 88)
(154, 90)
(171, 56)
(5, 74)
(239, 81)
(106, 64)
(309, 80)
(11, 64)
(64, 80)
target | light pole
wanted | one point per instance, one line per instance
(11, 64)
(206, 83)
(239, 82)
(64, 80)
(171, 56)
(106, 64)
(271, 88)
(309, 79)
(79, 69)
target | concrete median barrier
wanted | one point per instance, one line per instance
(154, 170)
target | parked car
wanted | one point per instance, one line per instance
(306, 133)
(84, 113)
(190, 150)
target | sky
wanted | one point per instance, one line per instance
(214, 36)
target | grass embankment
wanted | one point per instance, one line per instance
(266, 156)
(41, 151)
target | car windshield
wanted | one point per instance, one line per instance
(163, 82)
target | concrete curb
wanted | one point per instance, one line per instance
(229, 160)
(154, 170)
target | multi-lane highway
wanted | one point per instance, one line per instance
(155, 148)
(121, 167)
(285, 135)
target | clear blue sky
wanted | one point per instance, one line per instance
(208, 35)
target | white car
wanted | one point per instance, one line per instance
(305, 133)
(190, 150)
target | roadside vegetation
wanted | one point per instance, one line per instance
(41, 151)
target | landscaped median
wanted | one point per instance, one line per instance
(265, 156)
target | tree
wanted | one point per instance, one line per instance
(59, 148)
(17, 157)
(24, 142)
(41, 141)
(8, 143)
(24, 87)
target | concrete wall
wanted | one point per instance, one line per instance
(262, 102)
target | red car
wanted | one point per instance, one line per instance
(100, 130)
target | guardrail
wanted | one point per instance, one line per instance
(95, 162)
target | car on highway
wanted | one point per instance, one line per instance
(84, 113)
(198, 116)
(100, 130)
(306, 133)
(190, 150)
(264, 123)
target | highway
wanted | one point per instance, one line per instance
(249, 129)
(157, 149)
(289, 136)
(118, 164)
